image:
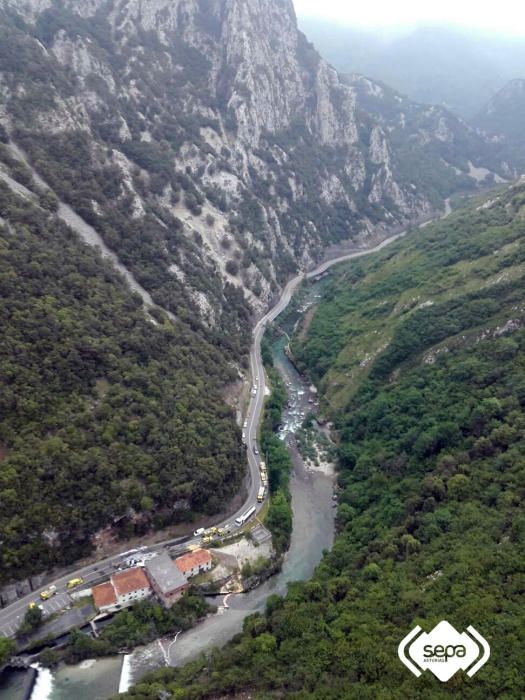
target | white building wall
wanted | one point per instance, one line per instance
(130, 598)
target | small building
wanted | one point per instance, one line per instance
(122, 590)
(166, 579)
(194, 563)
(104, 597)
(130, 586)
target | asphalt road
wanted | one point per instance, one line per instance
(12, 615)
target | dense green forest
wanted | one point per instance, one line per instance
(106, 417)
(432, 475)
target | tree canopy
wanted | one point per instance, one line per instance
(106, 418)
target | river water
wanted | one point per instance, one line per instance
(313, 532)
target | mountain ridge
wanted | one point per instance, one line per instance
(229, 127)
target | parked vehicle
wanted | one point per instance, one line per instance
(48, 593)
(36, 605)
(74, 582)
(242, 519)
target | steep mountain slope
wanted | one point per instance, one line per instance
(459, 69)
(212, 147)
(504, 115)
(462, 273)
(421, 368)
(108, 417)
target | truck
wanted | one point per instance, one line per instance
(261, 494)
(74, 582)
(48, 593)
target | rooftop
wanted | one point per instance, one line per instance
(104, 595)
(188, 561)
(129, 581)
(165, 574)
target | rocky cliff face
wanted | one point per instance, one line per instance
(212, 147)
(503, 118)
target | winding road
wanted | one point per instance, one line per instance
(11, 616)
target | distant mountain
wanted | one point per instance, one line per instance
(504, 115)
(455, 68)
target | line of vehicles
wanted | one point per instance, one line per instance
(208, 534)
(50, 592)
(264, 482)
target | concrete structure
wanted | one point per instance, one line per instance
(193, 563)
(122, 590)
(166, 579)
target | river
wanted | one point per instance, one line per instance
(313, 532)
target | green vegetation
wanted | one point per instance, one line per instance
(313, 444)
(7, 649)
(441, 282)
(33, 619)
(432, 479)
(141, 624)
(254, 568)
(105, 418)
(279, 517)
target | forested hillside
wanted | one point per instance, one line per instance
(107, 417)
(420, 354)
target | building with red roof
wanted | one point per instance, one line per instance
(193, 563)
(122, 590)
(131, 585)
(104, 596)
